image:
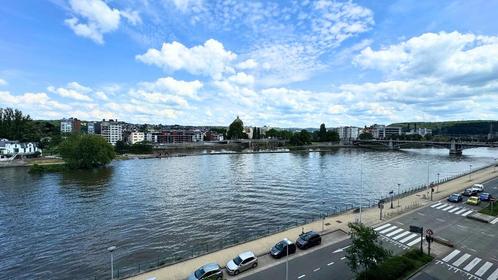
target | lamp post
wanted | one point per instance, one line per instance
(437, 182)
(398, 194)
(427, 186)
(470, 172)
(392, 196)
(111, 249)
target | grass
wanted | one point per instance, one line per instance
(488, 211)
(37, 168)
(397, 267)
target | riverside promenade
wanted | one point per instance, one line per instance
(370, 216)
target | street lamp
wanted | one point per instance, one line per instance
(111, 249)
(470, 172)
(398, 194)
(392, 196)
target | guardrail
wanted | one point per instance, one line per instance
(210, 247)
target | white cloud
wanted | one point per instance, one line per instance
(101, 95)
(209, 59)
(32, 101)
(187, 5)
(3, 82)
(73, 91)
(242, 78)
(172, 86)
(247, 64)
(451, 57)
(93, 18)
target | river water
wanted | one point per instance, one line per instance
(58, 226)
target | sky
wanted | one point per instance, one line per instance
(275, 63)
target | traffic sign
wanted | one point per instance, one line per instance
(416, 229)
(429, 231)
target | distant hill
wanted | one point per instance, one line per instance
(471, 127)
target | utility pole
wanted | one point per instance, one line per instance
(392, 197)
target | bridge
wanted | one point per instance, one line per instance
(455, 147)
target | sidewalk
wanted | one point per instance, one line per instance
(370, 217)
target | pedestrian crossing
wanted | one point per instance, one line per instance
(451, 208)
(494, 221)
(473, 267)
(399, 236)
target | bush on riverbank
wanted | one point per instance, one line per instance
(37, 168)
(86, 151)
(137, 148)
(397, 267)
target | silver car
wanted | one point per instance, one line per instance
(210, 271)
(242, 262)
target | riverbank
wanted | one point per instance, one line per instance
(370, 216)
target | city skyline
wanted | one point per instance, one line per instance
(274, 63)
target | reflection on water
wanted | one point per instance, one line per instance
(55, 225)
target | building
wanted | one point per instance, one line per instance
(136, 137)
(392, 131)
(249, 131)
(112, 131)
(348, 132)
(213, 136)
(12, 148)
(71, 125)
(378, 131)
(90, 126)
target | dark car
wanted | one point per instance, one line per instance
(308, 239)
(280, 249)
(470, 192)
(456, 197)
(210, 271)
(485, 196)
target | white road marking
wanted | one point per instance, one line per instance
(471, 265)
(343, 258)
(413, 242)
(461, 259)
(304, 275)
(388, 229)
(494, 275)
(441, 206)
(494, 221)
(461, 211)
(466, 213)
(316, 269)
(408, 238)
(421, 214)
(453, 210)
(440, 220)
(448, 208)
(394, 232)
(483, 269)
(451, 255)
(329, 264)
(382, 226)
(401, 235)
(341, 249)
(435, 205)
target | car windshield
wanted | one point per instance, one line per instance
(454, 196)
(305, 237)
(280, 246)
(237, 260)
(199, 272)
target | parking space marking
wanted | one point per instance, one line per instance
(483, 269)
(451, 255)
(494, 275)
(461, 259)
(394, 232)
(401, 235)
(471, 265)
(381, 227)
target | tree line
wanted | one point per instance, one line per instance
(14, 125)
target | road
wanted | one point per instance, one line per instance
(475, 255)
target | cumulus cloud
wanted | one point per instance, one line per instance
(32, 101)
(247, 64)
(209, 59)
(452, 57)
(171, 86)
(72, 91)
(3, 82)
(93, 18)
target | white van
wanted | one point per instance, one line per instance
(478, 187)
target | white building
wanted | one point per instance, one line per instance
(90, 128)
(348, 132)
(198, 136)
(66, 126)
(136, 137)
(249, 130)
(112, 131)
(379, 131)
(392, 130)
(10, 148)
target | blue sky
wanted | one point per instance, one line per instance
(277, 63)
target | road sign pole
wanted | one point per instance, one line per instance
(421, 240)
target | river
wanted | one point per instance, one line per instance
(58, 226)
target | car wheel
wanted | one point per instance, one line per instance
(235, 272)
(254, 265)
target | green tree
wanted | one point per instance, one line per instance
(365, 136)
(86, 151)
(300, 138)
(364, 252)
(322, 133)
(236, 129)
(14, 125)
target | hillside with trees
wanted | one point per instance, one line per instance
(453, 128)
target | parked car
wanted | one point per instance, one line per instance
(478, 187)
(473, 200)
(210, 271)
(469, 192)
(242, 262)
(456, 197)
(485, 196)
(308, 239)
(280, 249)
